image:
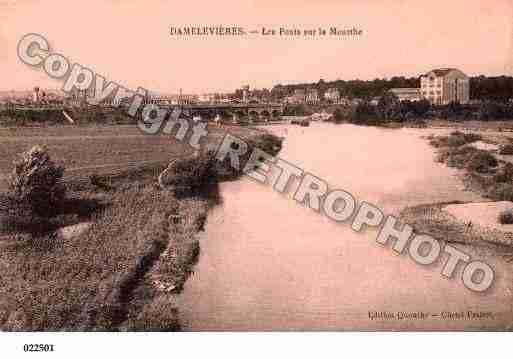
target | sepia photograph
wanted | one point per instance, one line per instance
(300, 166)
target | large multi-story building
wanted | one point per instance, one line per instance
(443, 86)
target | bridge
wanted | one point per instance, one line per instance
(255, 111)
(250, 110)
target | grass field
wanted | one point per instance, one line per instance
(125, 271)
(101, 150)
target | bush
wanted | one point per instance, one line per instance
(501, 192)
(481, 162)
(472, 137)
(365, 114)
(389, 107)
(506, 217)
(494, 110)
(455, 141)
(466, 138)
(338, 116)
(505, 174)
(458, 157)
(36, 180)
(418, 109)
(188, 174)
(506, 150)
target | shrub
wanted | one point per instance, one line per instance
(472, 137)
(36, 180)
(506, 150)
(493, 110)
(457, 161)
(388, 107)
(505, 174)
(459, 157)
(420, 108)
(443, 155)
(455, 141)
(506, 217)
(338, 116)
(501, 192)
(481, 162)
(188, 174)
(464, 150)
(365, 114)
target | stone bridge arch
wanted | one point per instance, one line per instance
(253, 114)
(265, 115)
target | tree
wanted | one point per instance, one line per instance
(364, 114)
(36, 180)
(389, 107)
(338, 116)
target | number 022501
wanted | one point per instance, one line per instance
(38, 348)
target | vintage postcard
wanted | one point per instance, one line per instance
(256, 166)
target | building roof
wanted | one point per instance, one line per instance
(441, 72)
(406, 90)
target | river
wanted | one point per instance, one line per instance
(268, 263)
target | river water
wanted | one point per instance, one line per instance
(268, 263)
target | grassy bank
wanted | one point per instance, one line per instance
(433, 220)
(485, 169)
(125, 271)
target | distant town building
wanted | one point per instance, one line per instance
(344, 101)
(245, 94)
(187, 99)
(208, 97)
(332, 94)
(407, 94)
(375, 100)
(298, 97)
(442, 86)
(80, 97)
(35, 96)
(312, 96)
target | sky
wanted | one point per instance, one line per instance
(129, 42)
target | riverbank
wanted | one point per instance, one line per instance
(485, 169)
(126, 266)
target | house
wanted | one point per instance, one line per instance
(375, 100)
(332, 94)
(299, 96)
(446, 85)
(312, 96)
(407, 94)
